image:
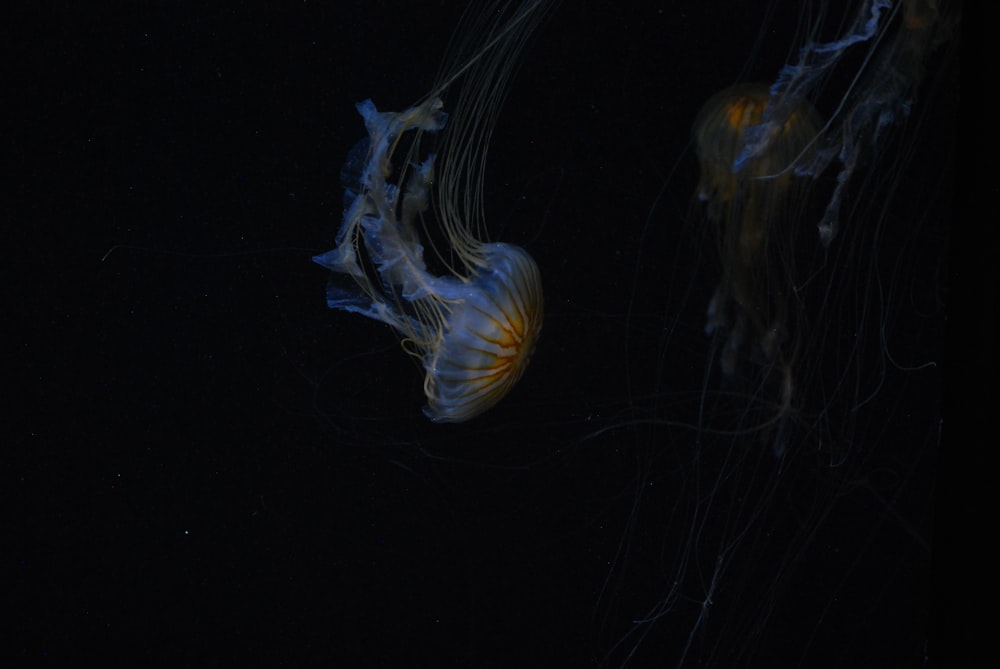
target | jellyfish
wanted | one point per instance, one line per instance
(775, 176)
(753, 208)
(473, 325)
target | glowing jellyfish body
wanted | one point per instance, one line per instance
(475, 326)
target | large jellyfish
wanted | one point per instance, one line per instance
(474, 326)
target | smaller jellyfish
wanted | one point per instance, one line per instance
(473, 326)
(763, 150)
(753, 207)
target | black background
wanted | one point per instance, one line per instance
(209, 468)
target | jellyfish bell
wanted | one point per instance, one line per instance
(721, 129)
(474, 325)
